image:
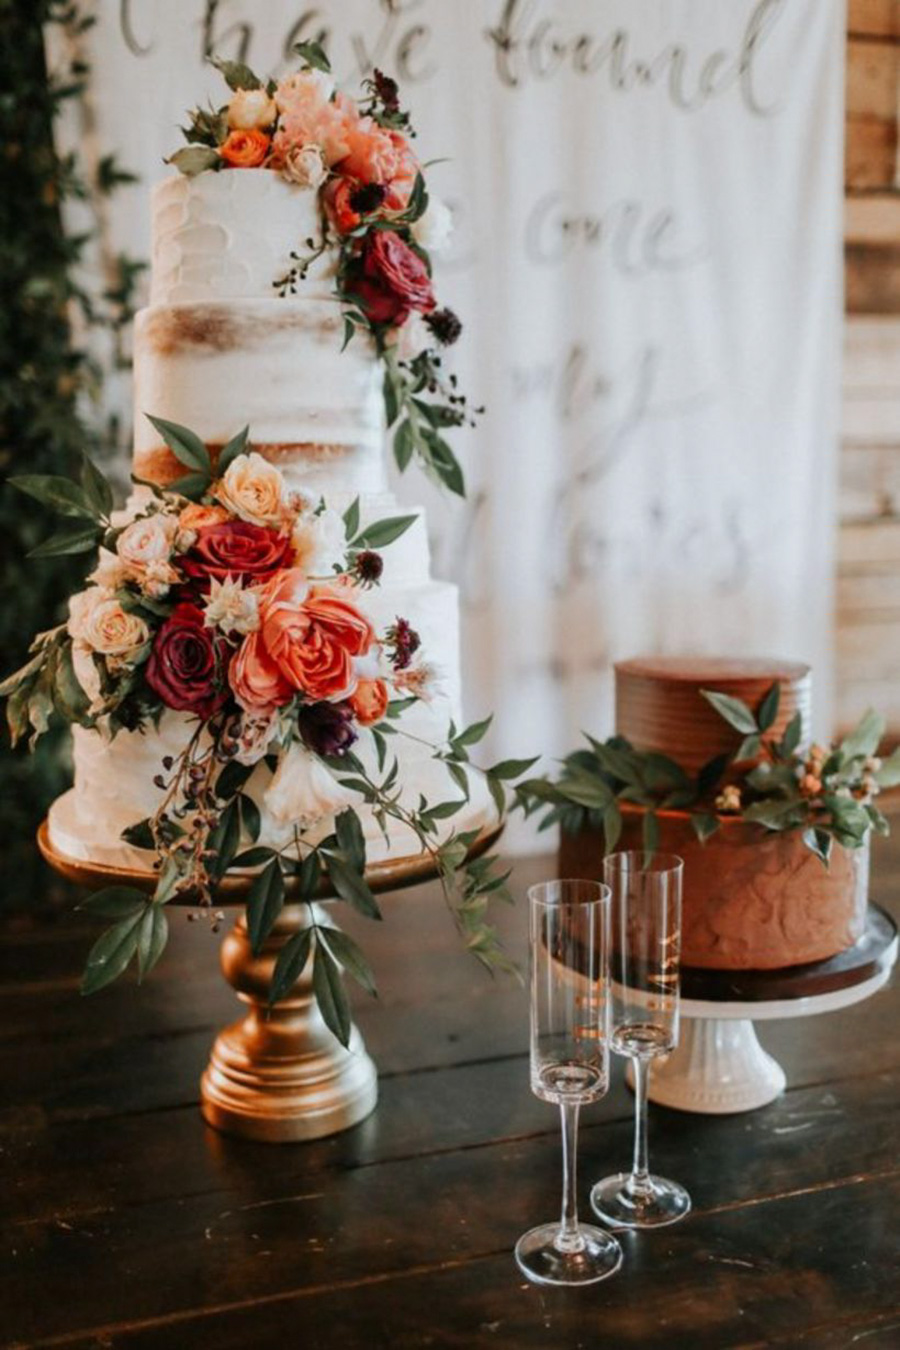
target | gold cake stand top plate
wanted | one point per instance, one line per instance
(393, 874)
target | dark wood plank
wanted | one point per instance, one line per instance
(746, 1277)
(275, 1223)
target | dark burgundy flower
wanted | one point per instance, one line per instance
(184, 664)
(326, 728)
(367, 198)
(368, 567)
(393, 280)
(386, 91)
(445, 325)
(404, 642)
(235, 548)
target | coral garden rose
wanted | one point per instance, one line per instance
(147, 540)
(256, 681)
(341, 213)
(394, 279)
(183, 668)
(254, 490)
(314, 635)
(237, 549)
(98, 623)
(369, 701)
(245, 149)
(251, 109)
(310, 117)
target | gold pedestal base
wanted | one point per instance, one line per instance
(280, 1076)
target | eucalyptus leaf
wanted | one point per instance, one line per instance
(193, 159)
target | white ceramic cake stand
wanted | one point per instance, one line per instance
(719, 1066)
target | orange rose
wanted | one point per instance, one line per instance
(313, 634)
(255, 679)
(197, 516)
(369, 701)
(245, 149)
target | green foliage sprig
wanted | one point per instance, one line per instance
(768, 781)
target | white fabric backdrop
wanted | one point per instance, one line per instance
(647, 260)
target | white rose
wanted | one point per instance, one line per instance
(303, 791)
(254, 490)
(412, 338)
(99, 623)
(305, 165)
(250, 109)
(432, 230)
(254, 733)
(231, 607)
(320, 543)
(145, 541)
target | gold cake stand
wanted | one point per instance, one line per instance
(278, 1075)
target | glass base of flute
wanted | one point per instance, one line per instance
(645, 964)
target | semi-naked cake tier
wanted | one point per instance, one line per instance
(753, 899)
(218, 349)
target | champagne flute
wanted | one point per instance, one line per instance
(569, 1006)
(645, 965)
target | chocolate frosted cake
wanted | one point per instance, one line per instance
(753, 898)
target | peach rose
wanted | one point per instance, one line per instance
(245, 149)
(98, 623)
(309, 117)
(197, 517)
(255, 679)
(251, 109)
(313, 635)
(369, 701)
(254, 490)
(145, 541)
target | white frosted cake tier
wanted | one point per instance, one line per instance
(114, 778)
(273, 365)
(230, 235)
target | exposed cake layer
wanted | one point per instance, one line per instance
(114, 778)
(753, 900)
(275, 365)
(230, 235)
(660, 706)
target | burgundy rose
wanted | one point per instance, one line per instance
(235, 548)
(394, 280)
(327, 728)
(183, 663)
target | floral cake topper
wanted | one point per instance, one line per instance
(376, 213)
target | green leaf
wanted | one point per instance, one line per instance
(818, 842)
(30, 669)
(775, 815)
(888, 775)
(350, 956)
(330, 994)
(74, 538)
(351, 839)
(391, 398)
(474, 733)
(352, 887)
(111, 954)
(447, 466)
(445, 810)
(404, 444)
(96, 488)
(313, 53)
(139, 835)
(612, 826)
(768, 708)
(734, 710)
(351, 519)
(749, 747)
(191, 485)
(383, 532)
(650, 832)
(291, 962)
(71, 701)
(232, 779)
(512, 768)
(193, 159)
(880, 822)
(710, 774)
(251, 821)
(225, 839)
(705, 825)
(253, 857)
(310, 874)
(115, 902)
(265, 901)
(498, 795)
(236, 446)
(185, 445)
(791, 738)
(585, 790)
(61, 494)
(153, 934)
(864, 739)
(237, 75)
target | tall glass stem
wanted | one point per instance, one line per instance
(569, 1238)
(639, 1182)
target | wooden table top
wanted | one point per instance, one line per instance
(129, 1223)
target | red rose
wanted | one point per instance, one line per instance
(184, 661)
(394, 279)
(235, 548)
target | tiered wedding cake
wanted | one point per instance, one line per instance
(218, 348)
